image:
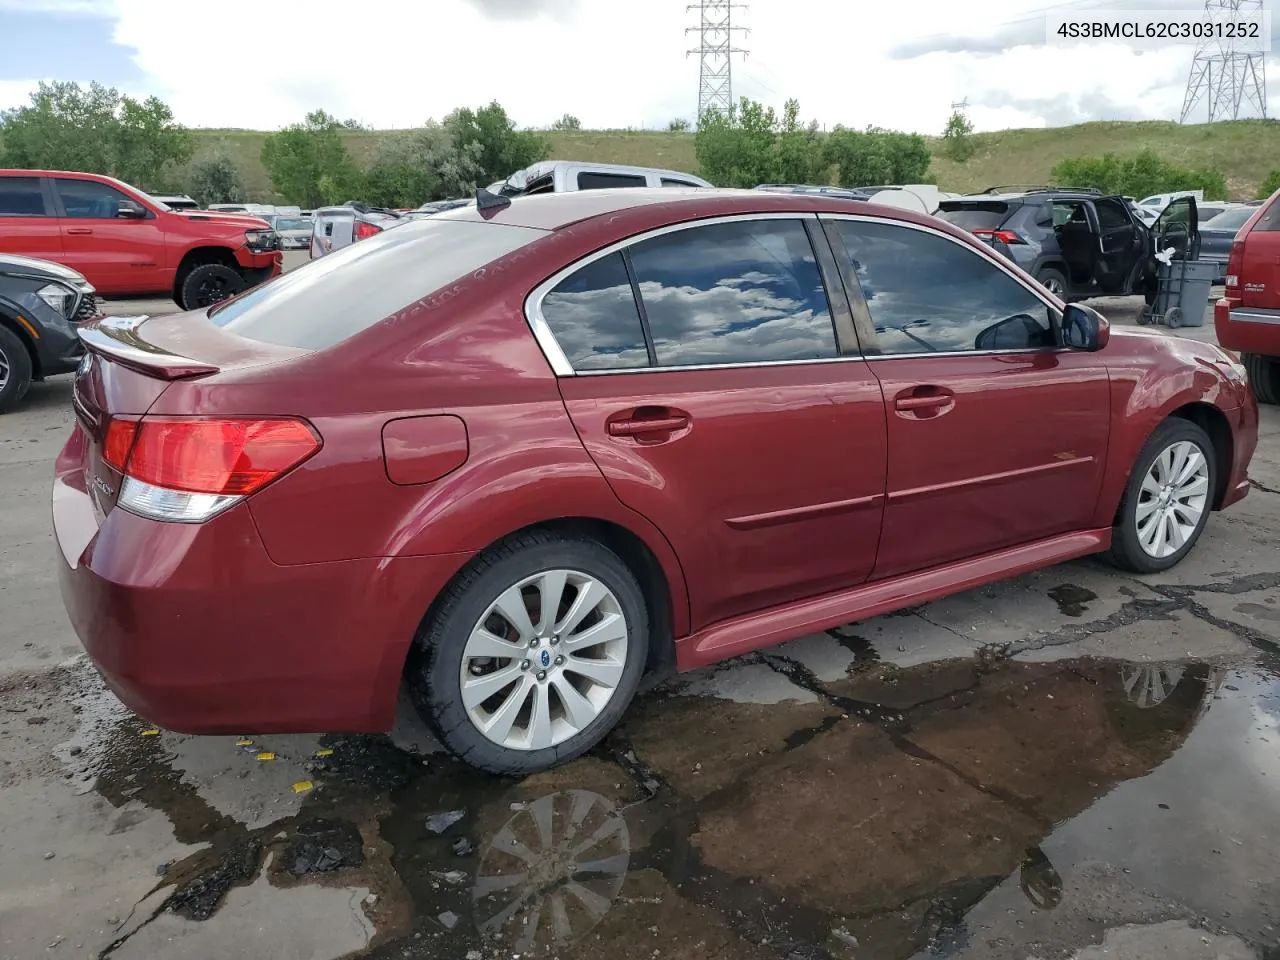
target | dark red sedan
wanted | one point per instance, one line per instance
(517, 454)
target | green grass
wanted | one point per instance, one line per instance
(1243, 150)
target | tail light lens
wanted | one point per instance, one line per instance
(1234, 264)
(189, 470)
(365, 230)
(1003, 236)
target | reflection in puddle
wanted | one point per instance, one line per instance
(880, 815)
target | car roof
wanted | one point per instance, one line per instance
(553, 211)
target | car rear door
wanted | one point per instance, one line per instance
(701, 370)
(28, 221)
(996, 436)
(1121, 244)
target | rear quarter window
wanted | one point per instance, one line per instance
(974, 216)
(331, 299)
(1269, 222)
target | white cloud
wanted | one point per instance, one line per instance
(389, 63)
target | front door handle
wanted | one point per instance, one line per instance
(921, 403)
(924, 402)
(648, 423)
(79, 231)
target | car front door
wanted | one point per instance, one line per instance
(707, 384)
(28, 222)
(1120, 247)
(996, 435)
(117, 254)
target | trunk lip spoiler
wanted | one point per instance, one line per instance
(116, 338)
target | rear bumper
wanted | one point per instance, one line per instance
(195, 629)
(1247, 329)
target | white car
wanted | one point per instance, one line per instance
(294, 232)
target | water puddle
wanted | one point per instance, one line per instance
(924, 811)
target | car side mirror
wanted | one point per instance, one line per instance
(1084, 328)
(131, 210)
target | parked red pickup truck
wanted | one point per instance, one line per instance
(130, 245)
(1247, 318)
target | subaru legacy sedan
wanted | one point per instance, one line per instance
(516, 454)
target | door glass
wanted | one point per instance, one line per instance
(605, 181)
(88, 199)
(594, 317)
(1111, 214)
(928, 294)
(740, 292)
(21, 197)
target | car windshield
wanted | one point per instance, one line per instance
(292, 223)
(159, 203)
(1230, 219)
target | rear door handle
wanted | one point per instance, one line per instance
(79, 231)
(631, 428)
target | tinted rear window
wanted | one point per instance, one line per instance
(608, 181)
(328, 300)
(1230, 219)
(974, 216)
(1269, 221)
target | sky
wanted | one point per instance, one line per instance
(262, 64)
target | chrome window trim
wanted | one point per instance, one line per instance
(984, 253)
(551, 347)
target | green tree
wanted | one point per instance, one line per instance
(875, 157)
(309, 164)
(566, 123)
(1139, 176)
(957, 137)
(1269, 185)
(420, 165)
(678, 125)
(502, 148)
(96, 130)
(215, 179)
(749, 144)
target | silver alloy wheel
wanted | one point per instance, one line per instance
(552, 872)
(1149, 685)
(1172, 499)
(1053, 285)
(4, 369)
(544, 660)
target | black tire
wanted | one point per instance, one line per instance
(1126, 551)
(436, 659)
(1264, 376)
(1053, 280)
(208, 284)
(1173, 319)
(15, 367)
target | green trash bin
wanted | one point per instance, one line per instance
(1182, 293)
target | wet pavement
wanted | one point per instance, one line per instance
(1073, 763)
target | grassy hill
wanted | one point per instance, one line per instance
(1243, 150)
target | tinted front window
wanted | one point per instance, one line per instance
(21, 197)
(333, 298)
(594, 317)
(605, 181)
(88, 199)
(928, 294)
(739, 292)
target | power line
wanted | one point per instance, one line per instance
(715, 50)
(1224, 76)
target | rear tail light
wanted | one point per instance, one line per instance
(365, 230)
(191, 469)
(1234, 262)
(1003, 236)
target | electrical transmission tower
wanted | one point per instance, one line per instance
(1227, 73)
(715, 48)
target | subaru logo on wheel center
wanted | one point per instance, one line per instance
(546, 659)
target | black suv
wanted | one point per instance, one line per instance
(41, 305)
(1079, 243)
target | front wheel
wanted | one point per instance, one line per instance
(208, 284)
(1053, 280)
(532, 655)
(1264, 376)
(15, 369)
(1168, 499)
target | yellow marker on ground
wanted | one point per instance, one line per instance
(244, 743)
(266, 755)
(153, 732)
(324, 752)
(302, 786)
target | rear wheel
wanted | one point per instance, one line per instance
(1053, 280)
(208, 284)
(1168, 499)
(1264, 376)
(533, 654)
(15, 370)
